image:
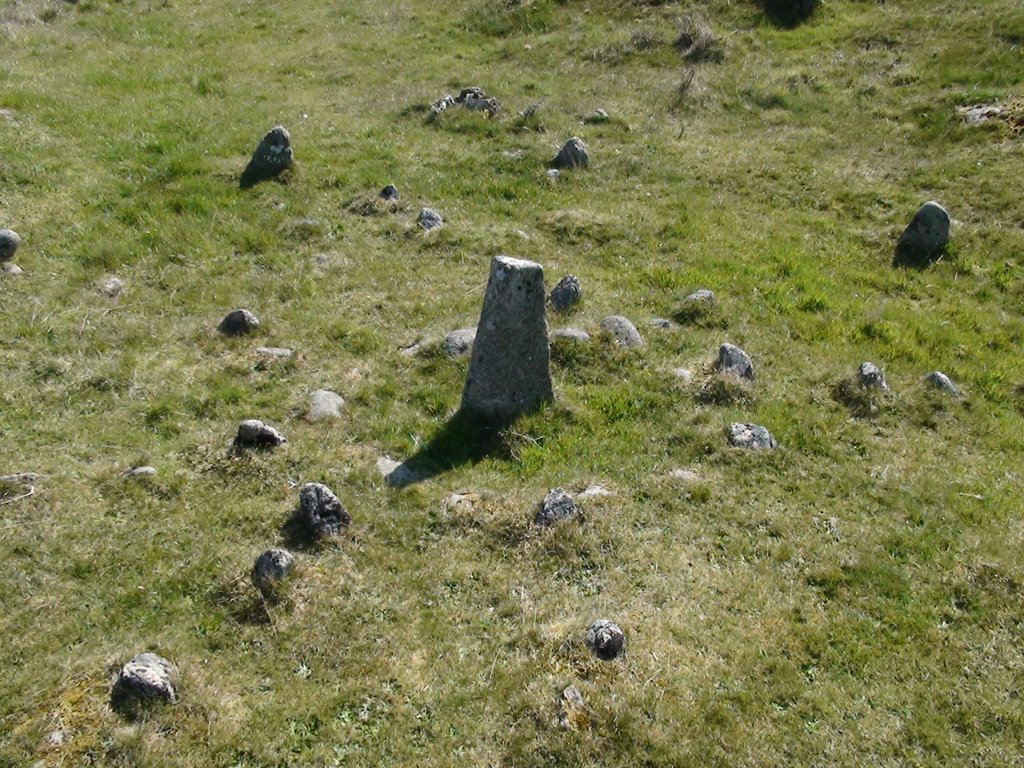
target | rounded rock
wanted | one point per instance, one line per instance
(926, 236)
(942, 382)
(389, 194)
(751, 436)
(572, 334)
(557, 505)
(622, 331)
(324, 405)
(147, 676)
(732, 359)
(869, 376)
(459, 343)
(322, 511)
(271, 569)
(605, 639)
(9, 241)
(429, 219)
(566, 294)
(253, 433)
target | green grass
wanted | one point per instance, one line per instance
(851, 598)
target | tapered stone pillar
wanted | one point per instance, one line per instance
(509, 370)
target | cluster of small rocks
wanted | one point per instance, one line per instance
(472, 98)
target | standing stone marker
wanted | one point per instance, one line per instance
(926, 237)
(272, 156)
(509, 371)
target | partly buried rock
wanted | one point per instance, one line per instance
(732, 359)
(273, 156)
(9, 241)
(869, 376)
(566, 294)
(275, 353)
(572, 334)
(271, 569)
(324, 405)
(510, 368)
(429, 219)
(459, 343)
(253, 433)
(926, 237)
(942, 382)
(557, 505)
(475, 99)
(239, 322)
(573, 154)
(111, 287)
(389, 194)
(623, 332)
(605, 639)
(575, 714)
(751, 436)
(139, 473)
(322, 511)
(146, 677)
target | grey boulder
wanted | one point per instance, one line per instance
(429, 219)
(869, 376)
(605, 639)
(272, 156)
(573, 154)
(732, 359)
(147, 676)
(253, 433)
(622, 331)
(322, 511)
(566, 294)
(556, 505)
(942, 382)
(459, 343)
(271, 569)
(926, 237)
(751, 436)
(239, 322)
(9, 241)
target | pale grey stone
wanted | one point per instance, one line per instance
(869, 376)
(395, 473)
(324, 405)
(552, 174)
(253, 433)
(147, 676)
(112, 287)
(684, 475)
(278, 353)
(573, 334)
(9, 241)
(683, 375)
(566, 294)
(751, 436)
(623, 332)
(322, 511)
(557, 505)
(700, 296)
(475, 99)
(732, 359)
(459, 343)
(509, 370)
(926, 236)
(574, 711)
(597, 116)
(661, 322)
(429, 219)
(139, 472)
(942, 382)
(605, 639)
(239, 322)
(11, 269)
(981, 113)
(272, 156)
(271, 569)
(573, 154)
(594, 492)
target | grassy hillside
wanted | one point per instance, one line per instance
(851, 598)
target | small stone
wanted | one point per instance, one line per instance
(926, 237)
(594, 492)
(573, 334)
(623, 332)
(9, 241)
(271, 569)
(980, 114)
(324, 405)
(661, 322)
(112, 287)
(557, 505)
(389, 194)
(459, 343)
(573, 154)
(239, 322)
(751, 436)
(942, 382)
(732, 359)
(273, 155)
(278, 353)
(253, 433)
(139, 472)
(683, 375)
(11, 269)
(552, 173)
(410, 350)
(700, 296)
(870, 377)
(429, 219)
(597, 116)
(395, 473)
(684, 475)
(605, 639)
(566, 294)
(322, 511)
(147, 676)
(574, 714)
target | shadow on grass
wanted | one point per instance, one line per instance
(788, 13)
(909, 258)
(464, 438)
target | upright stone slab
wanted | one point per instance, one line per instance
(509, 370)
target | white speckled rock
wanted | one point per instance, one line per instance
(147, 676)
(605, 639)
(751, 436)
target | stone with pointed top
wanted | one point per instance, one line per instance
(732, 359)
(272, 156)
(926, 237)
(429, 219)
(322, 511)
(573, 154)
(566, 294)
(239, 322)
(942, 382)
